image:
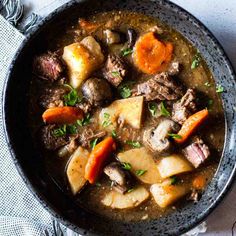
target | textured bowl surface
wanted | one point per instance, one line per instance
(27, 158)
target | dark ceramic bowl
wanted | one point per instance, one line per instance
(28, 161)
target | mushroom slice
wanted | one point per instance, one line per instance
(131, 199)
(75, 169)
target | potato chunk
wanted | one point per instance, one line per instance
(82, 59)
(166, 194)
(130, 110)
(75, 169)
(132, 199)
(173, 165)
(140, 159)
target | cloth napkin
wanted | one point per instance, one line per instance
(20, 212)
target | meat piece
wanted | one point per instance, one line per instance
(48, 66)
(53, 97)
(156, 139)
(160, 87)
(85, 106)
(173, 68)
(132, 35)
(121, 178)
(88, 135)
(112, 37)
(197, 153)
(185, 107)
(69, 148)
(115, 70)
(49, 140)
(195, 196)
(97, 91)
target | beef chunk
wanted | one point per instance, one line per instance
(161, 87)
(185, 107)
(173, 68)
(48, 66)
(197, 153)
(53, 97)
(97, 91)
(85, 106)
(49, 140)
(121, 178)
(156, 139)
(115, 70)
(88, 135)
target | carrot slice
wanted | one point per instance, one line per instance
(151, 55)
(199, 182)
(97, 159)
(62, 115)
(191, 124)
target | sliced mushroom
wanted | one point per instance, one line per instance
(112, 37)
(121, 178)
(156, 139)
(132, 35)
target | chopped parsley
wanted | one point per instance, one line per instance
(209, 103)
(115, 73)
(98, 184)
(93, 143)
(164, 111)
(175, 136)
(127, 51)
(196, 61)
(140, 172)
(124, 91)
(174, 180)
(219, 88)
(60, 131)
(207, 84)
(113, 134)
(152, 107)
(134, 144)
(65, 129)
(130, 190)
(106, 121)
(72, 98)
(85, 121)
(126, 166)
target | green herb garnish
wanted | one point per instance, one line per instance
(164, 111)
(98, 184)
(93, 143)
(113, 134)
(115, 73)
(209, 103)
(152, 107)
(196, 61)
(174, 180)
(219, 88)
(207, 84)
(72, 129)
(130, 190)
(140, 172)
(126, 52)
(126, 166)
(134, 144)
(106, 121)
(175, 136)
(85, 121)
(72, 98)
(60, 131)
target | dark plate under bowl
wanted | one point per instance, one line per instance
(28, 160)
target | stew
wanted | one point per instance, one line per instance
(127, 116)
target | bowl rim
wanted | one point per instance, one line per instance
(35, 191)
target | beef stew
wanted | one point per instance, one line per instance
(130, 121)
